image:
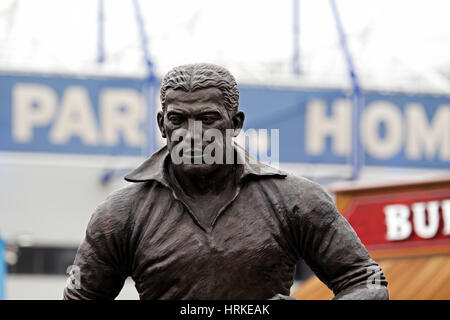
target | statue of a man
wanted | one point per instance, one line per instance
(192, 228)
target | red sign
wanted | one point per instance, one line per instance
(402, 220)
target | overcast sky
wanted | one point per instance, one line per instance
(394, 44)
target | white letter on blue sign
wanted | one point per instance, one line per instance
(427, 138)
(319, 126)
(389, 145)
(122, 110)
(75, 118)
(33, 105)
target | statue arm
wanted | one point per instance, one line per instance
(99, 269)
(334, 252)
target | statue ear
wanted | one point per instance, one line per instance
(238, 122)
(160, 119)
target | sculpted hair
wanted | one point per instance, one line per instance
(192, 77)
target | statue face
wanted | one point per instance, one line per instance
(186, 121)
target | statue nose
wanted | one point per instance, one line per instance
(194, 129)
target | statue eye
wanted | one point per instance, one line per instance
(176, 119)
(208, 120)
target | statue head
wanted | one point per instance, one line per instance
(192, 77)
(199, 104)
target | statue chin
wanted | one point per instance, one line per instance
(198, 169)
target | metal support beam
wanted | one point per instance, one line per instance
(357, 96)
(101, 33)
(149, 89)
(296, 38)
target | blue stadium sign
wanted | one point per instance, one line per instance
(110, 116)
(72, 115)
(396, 129)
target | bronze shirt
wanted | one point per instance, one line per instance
(145, 231)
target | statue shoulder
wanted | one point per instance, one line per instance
(115, 213)
(307, 199)
(297, 187)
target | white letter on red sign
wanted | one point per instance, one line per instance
(398, 225)
(421, 227)
(446, 216)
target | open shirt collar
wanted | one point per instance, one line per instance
(154, 167)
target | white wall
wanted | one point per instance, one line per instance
(50, 199)
(39, 287)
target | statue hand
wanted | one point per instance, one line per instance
(282, 297)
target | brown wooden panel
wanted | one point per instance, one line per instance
(434, 282)
(313, 289)
(411, 289)
(425, 277)
(405, 272)
(443, 293)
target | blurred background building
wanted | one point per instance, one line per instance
(359, 90)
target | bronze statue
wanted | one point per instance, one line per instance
(192, 228)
